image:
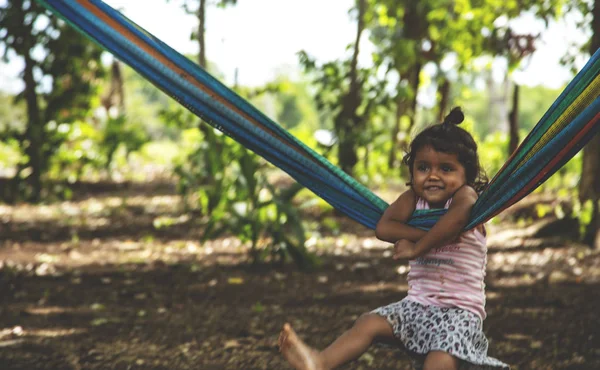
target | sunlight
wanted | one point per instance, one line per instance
(517, 336)
(401, 270)
(52, 333)
(50, 310)
(129, 245)
(374, 288)
(533, 311)
(492, 296)
(47, 333)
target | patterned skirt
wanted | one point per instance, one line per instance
(423, 328)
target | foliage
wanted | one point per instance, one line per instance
(492, 152)
(446, 36)
(12, 122)
(121, 132)
(12, 116)
(228, 185)
(78, 152)
(143, 106)
(222, 182)
(587, 23)
(69, 62)
(331, 98)
(294, 105)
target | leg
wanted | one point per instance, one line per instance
(439, 360)
(348, 346)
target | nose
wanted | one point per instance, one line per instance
(434, 175)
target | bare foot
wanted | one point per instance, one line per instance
(296, 352)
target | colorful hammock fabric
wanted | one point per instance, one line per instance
(571, 121)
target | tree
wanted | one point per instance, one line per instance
(198, 9)
(514, 48)
(410, 34)
(71, 62)
(589, 186)
(348, 95)
(348, 123)
(402, 47)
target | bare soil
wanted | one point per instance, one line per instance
(117, 279)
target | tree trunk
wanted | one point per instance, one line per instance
(589, 185)
(444, 92)
(201, 33)
(415, 82)
(513, 121)
(400, 111)
(34, 132)
(116, 92)
(117, 79)
(416, 27)
(202, 125)
(347, 123)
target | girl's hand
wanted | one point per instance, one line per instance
(404, 249)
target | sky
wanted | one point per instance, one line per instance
(261, 38)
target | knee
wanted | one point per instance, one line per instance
(373, 324)
(368, 320)
(364, 318)
(438, 360)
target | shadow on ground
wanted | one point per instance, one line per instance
(131, 296)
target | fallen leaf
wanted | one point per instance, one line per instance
(235, 280)
(231, 344)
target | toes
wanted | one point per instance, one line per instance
(285, 333)
(283, 336)
(288, 331)
(282, 339)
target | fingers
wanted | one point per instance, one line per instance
(400, 256)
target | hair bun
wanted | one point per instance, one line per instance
(455, 117)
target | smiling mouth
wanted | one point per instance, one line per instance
(434, 188)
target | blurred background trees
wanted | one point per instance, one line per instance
(83, 116)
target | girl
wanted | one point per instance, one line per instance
(440, 320)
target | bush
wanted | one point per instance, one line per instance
(227, 186)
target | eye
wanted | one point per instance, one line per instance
(447, 168)
(422, 167)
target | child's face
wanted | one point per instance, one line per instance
(436, 176)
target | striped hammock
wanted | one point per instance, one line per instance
(565, 128)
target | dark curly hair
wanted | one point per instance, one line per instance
(447, 137)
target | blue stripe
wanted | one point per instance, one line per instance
(322, 178)
(182, 91)
(213, 84)
(559, 106)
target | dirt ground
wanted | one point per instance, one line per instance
(100, 283)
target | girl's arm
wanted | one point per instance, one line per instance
(450, 225)
(392, 225)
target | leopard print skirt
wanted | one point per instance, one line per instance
(423, 328)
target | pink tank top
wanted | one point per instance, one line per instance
(452, 275)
